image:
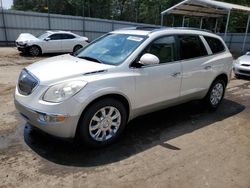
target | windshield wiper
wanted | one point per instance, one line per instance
(91, 59)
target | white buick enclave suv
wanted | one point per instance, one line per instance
(92, 94)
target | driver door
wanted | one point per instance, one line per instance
(54, 45)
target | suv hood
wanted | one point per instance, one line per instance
(62, 67)
(26, 37)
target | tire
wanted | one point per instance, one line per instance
(237, 76)
(34, 51)
(77, 47)
(96, 127)
(215, 94)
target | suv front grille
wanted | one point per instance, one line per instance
(26, 83)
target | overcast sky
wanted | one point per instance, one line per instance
(7, 3)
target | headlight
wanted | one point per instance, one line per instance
(63, 91)
(22, 42)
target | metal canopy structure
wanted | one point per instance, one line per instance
(206, 9)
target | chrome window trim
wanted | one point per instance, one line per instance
(223, 43)
(177, 61)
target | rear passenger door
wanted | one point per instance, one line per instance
(196, 65)
(68, 42)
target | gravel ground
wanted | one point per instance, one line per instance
(183, 146)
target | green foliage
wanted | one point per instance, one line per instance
(143, 11)
(238, 20)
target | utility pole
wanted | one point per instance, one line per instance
(83, 19)
(49, 24)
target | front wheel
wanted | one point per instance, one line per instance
(237, 76)
(102, 123)
(215, 94)
(34, 51)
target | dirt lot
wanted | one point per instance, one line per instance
(184, 146)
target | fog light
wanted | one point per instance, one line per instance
(51, 118)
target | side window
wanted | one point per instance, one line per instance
(68, 36)
(55, 37)
(163, 48)
(191, 47)
(215, 44)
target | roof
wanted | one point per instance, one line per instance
(204, 8)
(58, 31)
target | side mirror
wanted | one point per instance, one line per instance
(248, 53)
(149, 59)
(47, 39)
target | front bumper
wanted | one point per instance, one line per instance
(241, 70)
(65, 129)
(22, 48)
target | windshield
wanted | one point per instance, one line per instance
(42, 35)
(111, 49)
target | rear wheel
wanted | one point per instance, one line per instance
(215, 94)
(34, 51)
(77, 47)
(102, 123)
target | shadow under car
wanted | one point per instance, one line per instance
(141, 134)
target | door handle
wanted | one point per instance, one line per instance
(207, 67)
(175, 74)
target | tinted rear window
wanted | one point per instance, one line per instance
(56, 37)
(215, 44)
(68, 36)
(191, 47)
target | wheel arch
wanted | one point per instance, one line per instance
(206, 99)
(77, 45)
(222, 76)
(39, 47)
(124, 100)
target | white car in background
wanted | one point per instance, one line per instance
(50, 42)
(242, 65)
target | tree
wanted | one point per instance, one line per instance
(143, 11)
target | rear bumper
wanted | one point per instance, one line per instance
(65, 129)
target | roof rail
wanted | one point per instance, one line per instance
(146, 28)
(149, 28)
(157, 28)
(193, 28)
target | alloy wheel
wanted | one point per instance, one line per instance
(216, 94)
(34, 51)
(105, 123)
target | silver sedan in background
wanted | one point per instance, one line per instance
(242, 65)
